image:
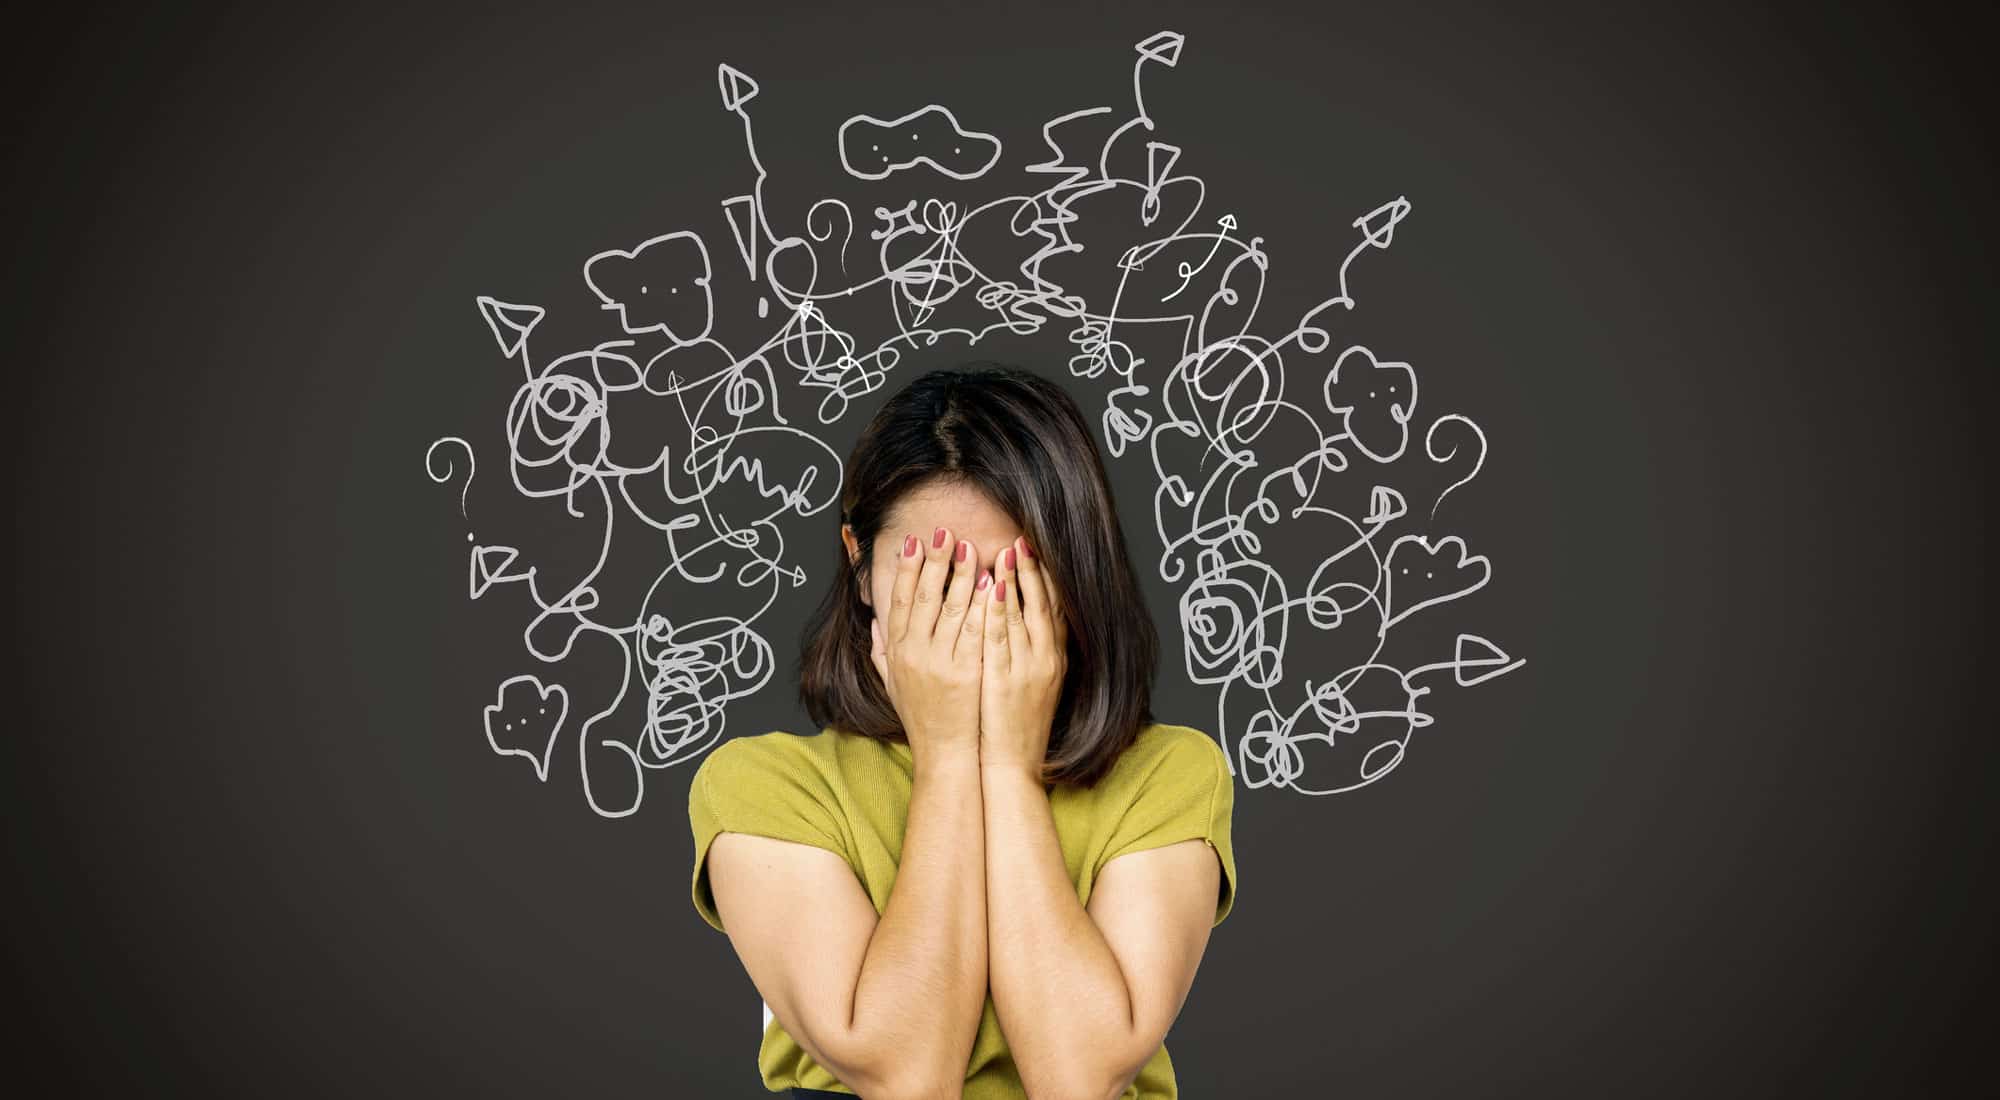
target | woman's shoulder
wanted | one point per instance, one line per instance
(777, 747)
(829, 753)
(776, 743)
(1161, 753)
(1164, 751)
(1165, 738)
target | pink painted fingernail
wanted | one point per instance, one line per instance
(1009, 555)
(937, 538)
(1000, 592)
(909, 545)
(985, 578)
(1026, 550)
(960, 556)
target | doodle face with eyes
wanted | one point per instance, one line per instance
(1374, 399)
(711, 460)
(660, 286)
(525, 719)
(871, 148)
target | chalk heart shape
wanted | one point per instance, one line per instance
(525, 719)
(1421, 574)
(940, 216)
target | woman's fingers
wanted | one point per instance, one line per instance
(957, 594)
(972, 639)
(903, 597)
(998, 657)
(929, 597)
(1007, 601)
(1038, 611)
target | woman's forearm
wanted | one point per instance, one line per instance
(922, 987)
(1057, 988)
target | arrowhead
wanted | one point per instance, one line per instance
(737, 88)
(1491, 656)
(510, 323)
(1164, 46)
(1385, 503)
(489, 565)
(742, 218)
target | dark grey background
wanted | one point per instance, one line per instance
(1707, 279)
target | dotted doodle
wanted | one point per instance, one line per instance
(1108, 253)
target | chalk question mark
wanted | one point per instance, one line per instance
(1430, 448)
(471, 467)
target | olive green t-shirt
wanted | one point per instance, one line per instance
(851, 795)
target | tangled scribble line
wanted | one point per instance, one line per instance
(1111, 247)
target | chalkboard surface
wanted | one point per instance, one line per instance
(1648, 335)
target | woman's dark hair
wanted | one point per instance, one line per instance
(1019, 439)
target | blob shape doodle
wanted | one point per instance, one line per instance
(525, 720)
(660, 286)
(873, 148)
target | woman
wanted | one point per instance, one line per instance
(991, 874)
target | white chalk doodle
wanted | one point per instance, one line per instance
(1105, 246)
(510, 323)
(444, 475)
(872, 148)
(525, 720)
(660, 286)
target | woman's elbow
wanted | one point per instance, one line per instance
(894, 1075)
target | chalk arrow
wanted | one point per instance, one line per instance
(490, 567)
(737, 89)
(510, 323)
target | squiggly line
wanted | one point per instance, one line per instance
(1255, 435)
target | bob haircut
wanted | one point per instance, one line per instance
(1021, 440)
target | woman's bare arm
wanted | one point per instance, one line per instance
(926, 975)
(889, 1005)
(1085, 996)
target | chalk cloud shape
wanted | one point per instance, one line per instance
(872, 148)
(1418, 574)
(525, 720)
(661, 286)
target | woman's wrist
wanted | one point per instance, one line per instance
(1001, 768)
(935, 756)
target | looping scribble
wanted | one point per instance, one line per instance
(1110, 258)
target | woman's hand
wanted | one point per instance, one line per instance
(1026, 660)
(929, 650)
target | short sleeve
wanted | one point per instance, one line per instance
(1189, 794)
(745, 787)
